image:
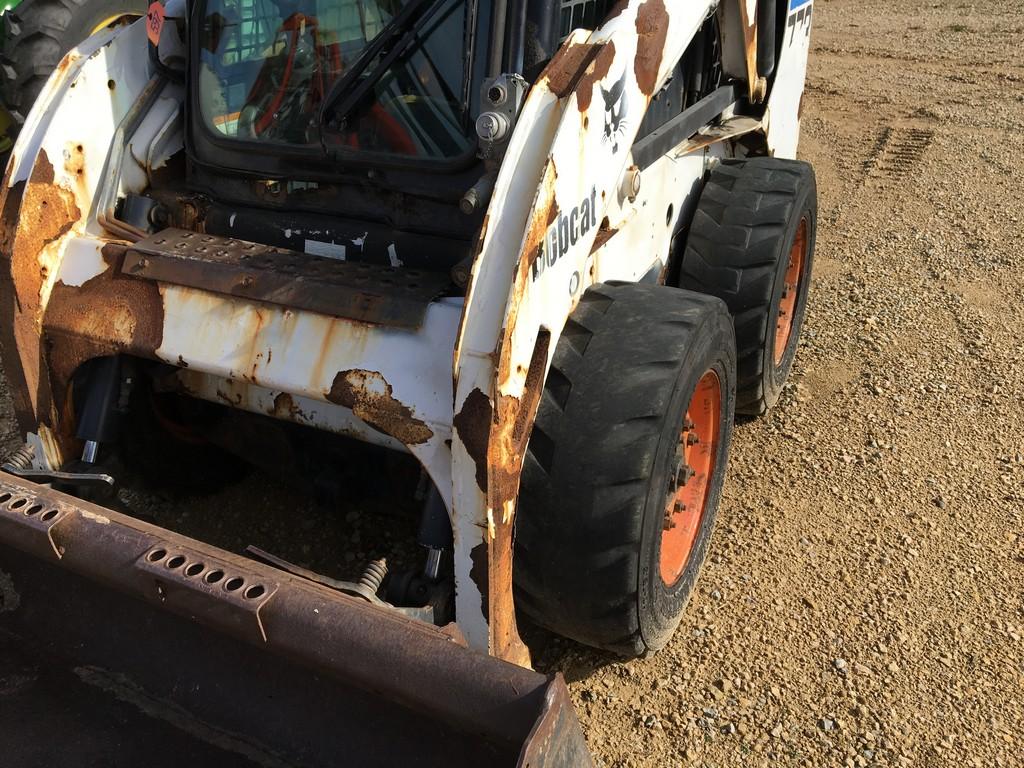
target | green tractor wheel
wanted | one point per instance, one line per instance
(35, 36)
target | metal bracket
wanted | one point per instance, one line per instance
(501, 98)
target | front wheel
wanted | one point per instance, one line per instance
(624, 468)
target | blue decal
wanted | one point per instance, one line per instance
(794, 4)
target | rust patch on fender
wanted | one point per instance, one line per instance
(604, 234)
(515, 417)
(105, 315)
(565, 69)
(36, 215)
(473, 425)
(370, 397)
(47, 213)
(513, 424)
(596, 71)
(478, 573)
(652, 32)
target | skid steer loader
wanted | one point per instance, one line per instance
(546, 248)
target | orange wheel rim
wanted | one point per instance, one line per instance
(690, 484)
(790, 292)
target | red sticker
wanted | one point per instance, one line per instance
(154, 22)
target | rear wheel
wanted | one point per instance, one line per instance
(624, 468)
(38, 33)
(751, 244)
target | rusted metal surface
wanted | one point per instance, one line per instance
(553, 740)
(370, 397)
(106, 314)
(286, 406)
(372, 649)
(652, 32)
(567, 66)
(359, 291)
(597, 70)
(473, 425)
(34, 231)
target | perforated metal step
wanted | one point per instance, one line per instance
(370, 293)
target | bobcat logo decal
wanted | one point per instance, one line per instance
(615, 112)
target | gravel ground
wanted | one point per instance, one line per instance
(863, 603)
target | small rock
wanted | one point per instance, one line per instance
(650, 721)
(827, 724)
(728, 729)
(839, 664)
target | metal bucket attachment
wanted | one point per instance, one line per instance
(197, 651)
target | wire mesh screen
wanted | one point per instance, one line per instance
(582, 14)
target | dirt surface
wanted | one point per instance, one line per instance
(863, 603)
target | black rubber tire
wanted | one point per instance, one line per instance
(37, 34)
(738, 249)
(596, 473)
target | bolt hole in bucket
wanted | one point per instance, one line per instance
(698, 446)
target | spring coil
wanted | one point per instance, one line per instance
(374, 575)
(21, 458)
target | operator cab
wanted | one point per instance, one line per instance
(268, 68)
(346, 128)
